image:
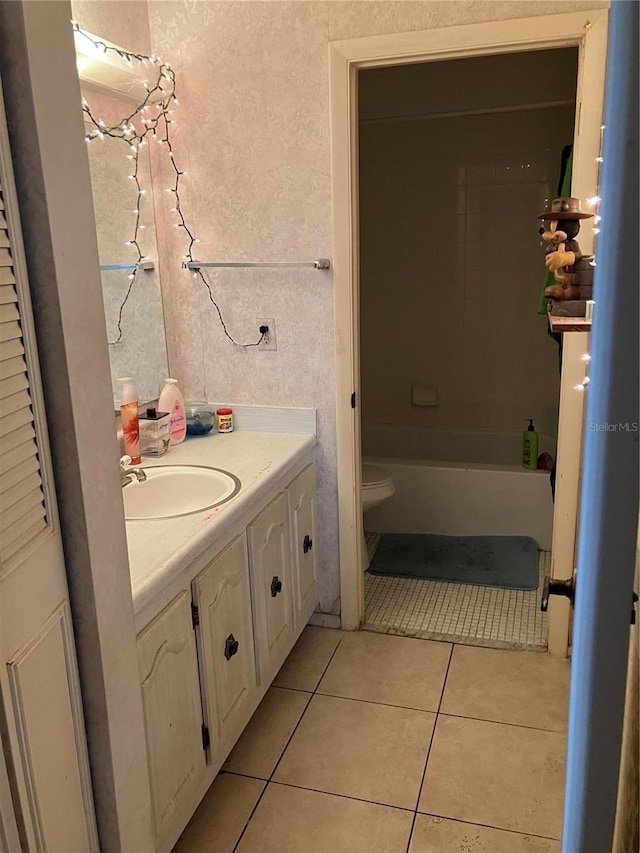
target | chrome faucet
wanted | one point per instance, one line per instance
(126, 476)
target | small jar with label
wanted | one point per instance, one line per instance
(224, 418)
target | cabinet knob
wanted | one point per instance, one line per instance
(231, 646)
(276, 586)
(307, 544)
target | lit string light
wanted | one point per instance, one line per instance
(594, 202)
(153, 115)
(134, 137)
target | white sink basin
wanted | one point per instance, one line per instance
(173, 490)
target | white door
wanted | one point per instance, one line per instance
(173, 716)
(270, 579)
(226, 649)
(609, 498)
(39, 687)
(301, 496)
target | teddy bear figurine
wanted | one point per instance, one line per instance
(563, 252)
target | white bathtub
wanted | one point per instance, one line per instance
(458, 483)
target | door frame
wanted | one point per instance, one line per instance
(586, 30)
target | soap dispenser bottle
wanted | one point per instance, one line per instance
(530, 447)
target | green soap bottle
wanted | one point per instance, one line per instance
(530, 447)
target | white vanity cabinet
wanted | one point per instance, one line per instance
(271, 586)
(301, 499)
(173, 714)
(222, 601)
(207, 659)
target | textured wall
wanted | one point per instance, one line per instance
(253, 123)
(125, 22)
(451, 265)
(254, 126)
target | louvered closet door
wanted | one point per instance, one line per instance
(39, 688)
(23, 513)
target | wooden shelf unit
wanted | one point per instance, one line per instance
(569, 324)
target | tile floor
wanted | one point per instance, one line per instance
(460, 613)
(373, 743)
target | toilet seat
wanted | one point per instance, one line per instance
(374, 477)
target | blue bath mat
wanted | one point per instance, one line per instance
(510, 562)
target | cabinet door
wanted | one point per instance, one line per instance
(173, 714)
(301, 495)
(270, 578)
(227, 654)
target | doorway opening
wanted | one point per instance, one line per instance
(455, 160)
(348, 59)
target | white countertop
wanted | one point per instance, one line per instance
(159, 550)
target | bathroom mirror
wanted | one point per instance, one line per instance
(131, 291)
(133, 307)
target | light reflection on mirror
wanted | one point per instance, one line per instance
(135, 327)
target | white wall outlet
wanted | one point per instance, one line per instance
(269, 342)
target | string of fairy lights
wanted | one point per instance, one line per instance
(594, 203)
(151, 119)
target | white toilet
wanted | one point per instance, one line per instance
(377, 486)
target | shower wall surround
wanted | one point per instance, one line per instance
(450, 270)
(253, 132)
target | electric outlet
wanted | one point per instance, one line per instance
(269, 342)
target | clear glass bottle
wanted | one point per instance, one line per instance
(154, 433)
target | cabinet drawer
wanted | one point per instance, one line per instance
(173, 713)
(301, 498)
(225, 645)
(271, 586)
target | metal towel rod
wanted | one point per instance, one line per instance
(118, 266)
(319, 264)
(144, 264)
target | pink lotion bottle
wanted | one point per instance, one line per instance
(172, 401)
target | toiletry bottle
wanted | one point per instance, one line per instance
(154, 432)
(171, 401)
(224, 418)
(130, 423)
(530, 447)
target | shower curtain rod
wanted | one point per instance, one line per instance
(542, 105)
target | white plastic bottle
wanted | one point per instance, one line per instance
(129, 416)
(172, 401)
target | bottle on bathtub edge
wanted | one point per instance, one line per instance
(530, 447)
